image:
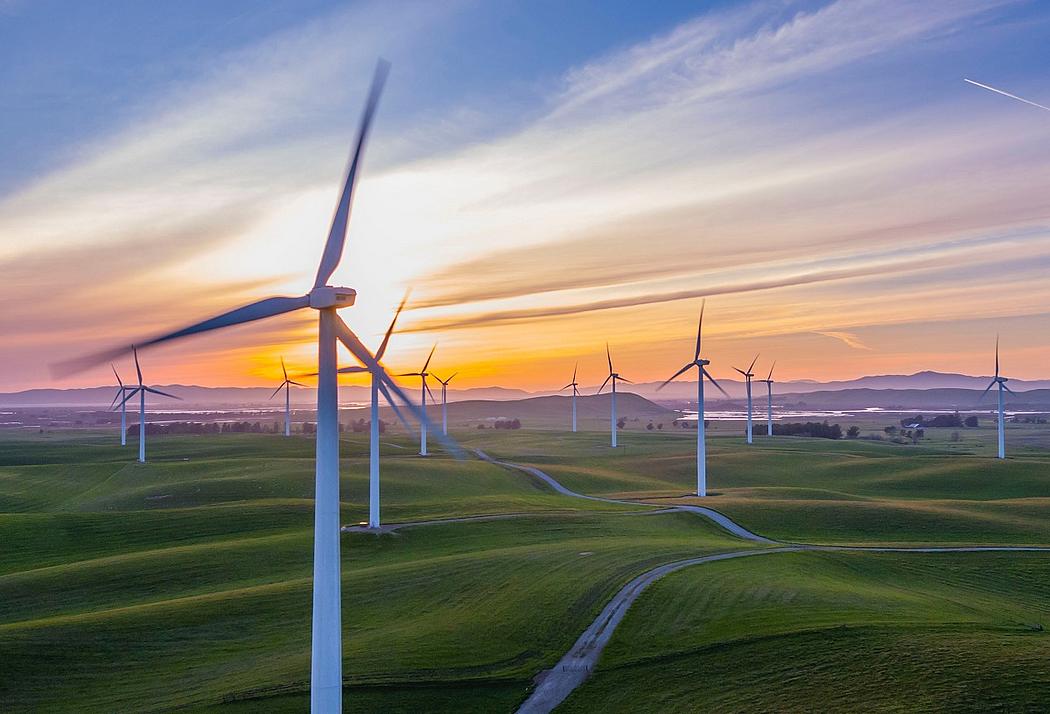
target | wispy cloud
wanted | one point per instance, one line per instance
(848, 338)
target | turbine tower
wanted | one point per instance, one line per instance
(141, 391)
(1000, 382)
(701, 445)
(575, 392)
(444, 401)
(747, 381)
(286, 385)
(768, 381)
(122, 392)
(615, 378)
(326, 680)
(424, 390)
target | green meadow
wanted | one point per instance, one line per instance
(185, 583)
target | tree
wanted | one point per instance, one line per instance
(971, 421)
(891, 430)
(649, 426)
(621, 423)
(660, 425)
(853, 432)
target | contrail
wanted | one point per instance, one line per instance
(1005, 94)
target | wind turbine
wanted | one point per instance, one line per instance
(747, 381)
(286, 385)
(423, 374)
(444, 401)
(326, 681)
(768, 381)
(141, 391)
(575, 392)
(1001, 382)
(122, 392)
(614, 377)
(701, 365)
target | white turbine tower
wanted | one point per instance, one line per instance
(286, 385)
(1001, 383)
(701, 445)
(768, 381)
(424, 390)
(575, 393)
(141, 391)
(122, 393)
(615, 378)
(326, 681)
(747, 381)
(444, 401)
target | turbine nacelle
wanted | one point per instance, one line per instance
(327, 296)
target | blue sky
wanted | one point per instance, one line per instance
(579, 171)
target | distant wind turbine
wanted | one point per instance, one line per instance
(575, 392)
(614, 377)
(286, 385)
(326, 679)
(748, 375)
(768, 381)
(141, 391)
(444, 400)
(122, 392)
(1000, 382)
(701, 365)
(424, 390)
(1006, 94)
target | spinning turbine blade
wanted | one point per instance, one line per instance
(131, 393)
(990, 385)
(390, 330)
(1008, 389)
(603, 384)
(624, 379)
(333, 248)
(296, 383)
(674, 376)
(138, 369)
(717, 385)
(119, 381)
(608, 354)
(770, 377)
(741, 371)
(997, 355)
(393, 406)
(574, 373)
(347, 370)
(277, 391)
(151, 390)
(699, 330)
(430, 393)
(427, 363)
(752, 364)
(283, 369)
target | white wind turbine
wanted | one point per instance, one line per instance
(747, 381)
(444, 401)
(326, 681)
(122, 392)
(701, 445)
(1001, 383)
(575, 393)
(768, 381)
(141, 391)
(615, 378)
(286, 385)
(424, 390)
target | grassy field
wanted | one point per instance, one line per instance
(834, 632)
(185, 582)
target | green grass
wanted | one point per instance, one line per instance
(834, 632)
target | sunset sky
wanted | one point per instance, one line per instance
(544, 175)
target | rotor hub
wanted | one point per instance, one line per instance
(327, 296)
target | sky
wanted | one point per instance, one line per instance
(544, 176)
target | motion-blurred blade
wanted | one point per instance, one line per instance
(608, 354)
(284, 370)
(344, 370)
(699, 330)
(394, 407)
(429, 393)
(603, 384)
(151, 390)
(717, 385)
(333, 248)
(249, 313)
(357, 348)
(118, 395)
(675, 376)
(278, 390)
(119, 381)
(138, 369)
(390, 330)
(1007, 388)
(990, 385)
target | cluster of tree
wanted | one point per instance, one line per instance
(361, 425)
(1029, 420)
(621, 423)
(650, 426)
(692, 424)
(941, 420)
(211, 427)
(820, 430)
(507, 424)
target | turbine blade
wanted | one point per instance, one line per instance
(427, 363)
(138, 369)
(248, 313)
(574, 373)
(283, 369)
(990, 385)
(752, 364)
(451, 378)
(430, 393)
(277, 391)
(674, 376)
(295, 383)
(151, 390)
(699, 329)
(345, 370)
(997, 355)
(624, 379)
(565, 387)
(390, 330)
(770, 377)
(357, 348)
(119, 381)
(609, 355)
(1007, 388)
(118, 395)
(333, 247)
(393, 405)
(131, 393)
(717, 385)
(603, 384)
(740, 370)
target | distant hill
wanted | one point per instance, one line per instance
(913, 399)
